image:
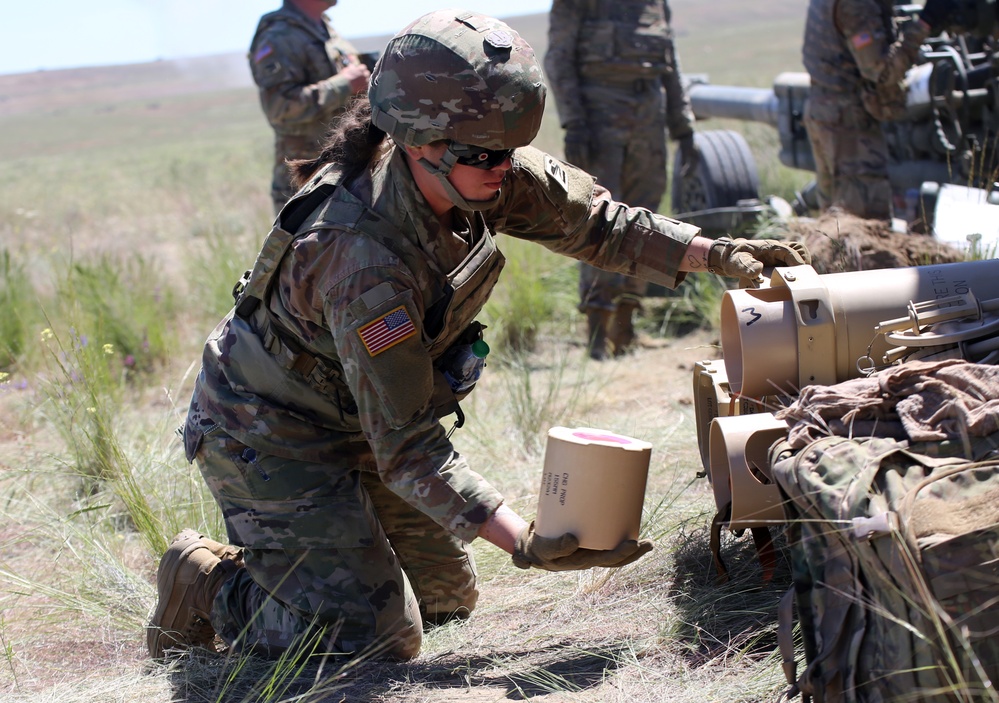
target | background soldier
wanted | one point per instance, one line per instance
(613, 70)
(306, 74)
(857, 61)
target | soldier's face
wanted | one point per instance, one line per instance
(472, 183)
(476, 183)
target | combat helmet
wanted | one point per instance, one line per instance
(461, 77)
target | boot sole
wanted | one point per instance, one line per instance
(166, 576)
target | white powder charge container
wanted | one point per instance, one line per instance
(593, 486)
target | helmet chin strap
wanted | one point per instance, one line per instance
(441, 173)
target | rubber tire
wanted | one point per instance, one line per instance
(725, 175)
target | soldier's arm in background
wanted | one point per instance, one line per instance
(882, 60)
(561, 64)
(679, 113)
(280, 64)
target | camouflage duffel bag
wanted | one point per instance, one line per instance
(895, 568)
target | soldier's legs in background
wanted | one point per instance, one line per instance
(281, 189)
(863, 187)
(643, 183)
(598, 290)
(621, 330)
(824, 165)
(288, 147)
(643, 168)
(440, 567)
(851, 158)
(319, 566)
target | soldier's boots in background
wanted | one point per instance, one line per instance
(189, 577)
(598, 321)
(621, 329)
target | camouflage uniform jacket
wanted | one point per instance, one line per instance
(613, 43)
(361, 290)
(295, 62)
(852, 48)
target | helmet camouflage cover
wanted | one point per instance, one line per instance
(459, 76)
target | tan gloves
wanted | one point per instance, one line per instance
(563, 553)
(745, 258)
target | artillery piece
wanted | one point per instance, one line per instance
(944, 148)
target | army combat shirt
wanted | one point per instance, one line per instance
(613, 43)
(853, 45)
(295, 62)
(375, 288)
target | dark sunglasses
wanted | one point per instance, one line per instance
(477, 157)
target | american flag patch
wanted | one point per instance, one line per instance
(262, 53)
(387, 331)
(861, 40)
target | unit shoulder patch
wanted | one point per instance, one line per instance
(556, 171)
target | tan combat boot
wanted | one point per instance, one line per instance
(621, 329)
(189, 577)
(597, 321)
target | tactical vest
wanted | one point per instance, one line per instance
(451, 299)
(625, 38)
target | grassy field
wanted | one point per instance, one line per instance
(130, 200)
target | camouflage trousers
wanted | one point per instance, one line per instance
(851, 156)
(627, 154)
(289, 148)
(603, 290)
(335, 562)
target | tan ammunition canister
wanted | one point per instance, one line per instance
(740, 469)
(807, 328)
(593, 485)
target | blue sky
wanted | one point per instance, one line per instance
(51, 34)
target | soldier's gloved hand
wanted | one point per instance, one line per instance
(937, 13)
(577, 144)
(563, 553)
(745, 258)
(690, 155)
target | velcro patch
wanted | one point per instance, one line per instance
(378, 295)
(861, 40)
(262, 53)
(388, 330)
(556, 170)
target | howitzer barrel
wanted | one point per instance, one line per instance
(781, 107)
(736, 103)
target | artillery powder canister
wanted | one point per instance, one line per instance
(593, 486)
(806, 328)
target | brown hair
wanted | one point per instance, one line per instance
(353, 143)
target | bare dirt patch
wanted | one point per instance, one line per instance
(839, 242)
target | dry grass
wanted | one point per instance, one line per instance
(659, 630)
